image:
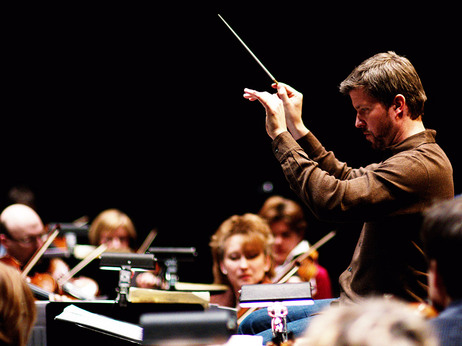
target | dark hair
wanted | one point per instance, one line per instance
(277, 208)
(3, 229)
(442, 240)
(386, 75)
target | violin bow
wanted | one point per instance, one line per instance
(294, 265)
(82, 264)
(147, 242)
(38, 254)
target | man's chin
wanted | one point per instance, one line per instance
(376, 145)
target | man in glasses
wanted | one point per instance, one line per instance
(22, 232)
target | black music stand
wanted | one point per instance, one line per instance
(188, 328)
(276, 297)
(170, 256)
(60, 332)
(125, 263)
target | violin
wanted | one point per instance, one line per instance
(41, 285)
(426, 310)
(307, 268)
(302, 264)
(44, 284)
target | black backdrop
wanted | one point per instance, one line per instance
(140, 107)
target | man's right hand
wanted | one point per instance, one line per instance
(292, 101)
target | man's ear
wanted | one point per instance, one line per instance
(399, 102)
(3, 240)
(437, 289)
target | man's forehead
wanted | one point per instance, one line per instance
(360, 97)
(18, 217)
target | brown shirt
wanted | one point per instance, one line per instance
(388, 197)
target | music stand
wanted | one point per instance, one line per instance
(73, 234)
(125, 263)
(170, 256)
(188, 328)
(276, 297)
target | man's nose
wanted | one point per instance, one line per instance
(359, 123)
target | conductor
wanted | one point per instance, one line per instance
(387, 197)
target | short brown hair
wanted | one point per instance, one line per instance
(386, 75)
(277, 208)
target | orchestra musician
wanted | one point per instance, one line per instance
(117, 231)
(288, 225)
(376, 321)
(387, 197)
(113, 228)
(17, 307)
(442, 242)
(22, 233)
(241, 252)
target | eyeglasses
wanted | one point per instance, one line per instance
(30, 239)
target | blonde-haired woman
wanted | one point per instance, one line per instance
(116, 230)
(241, 250)
(113, 228)
(17, 307)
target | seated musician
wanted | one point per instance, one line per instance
(113, 228)
(17, 308)
(375, 321)
(288, 226)
(241, 250)
(22, 233)
(116, 230)
(442, 239)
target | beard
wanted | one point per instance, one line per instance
(377, 143)
(380, 140)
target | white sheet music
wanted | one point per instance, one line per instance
(102, 323)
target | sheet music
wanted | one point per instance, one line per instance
(124, 330)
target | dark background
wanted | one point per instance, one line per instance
(140, 107)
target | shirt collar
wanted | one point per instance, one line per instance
(412, 142)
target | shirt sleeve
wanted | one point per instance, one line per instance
(336, 192)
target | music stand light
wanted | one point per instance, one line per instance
(170, 256)
(125, 263)
(276, 297)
